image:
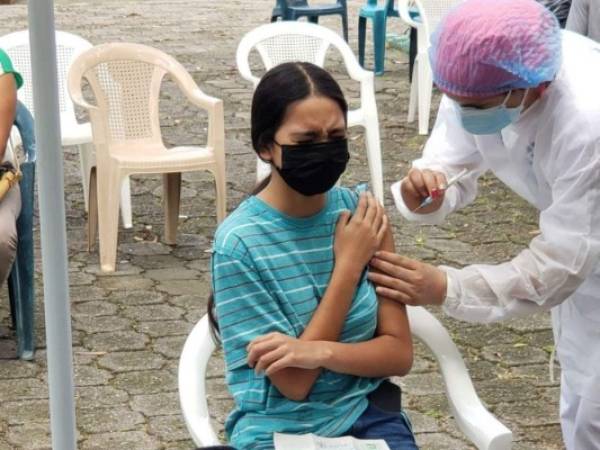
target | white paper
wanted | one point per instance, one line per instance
(313, 442)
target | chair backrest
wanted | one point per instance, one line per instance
(68, 47)
(295, 41)
(433, 11)
(193, 362)
(282, 42)
(284, 3)
(125, 80)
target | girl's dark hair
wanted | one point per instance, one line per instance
(278, 89)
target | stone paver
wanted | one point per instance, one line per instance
(129, 326)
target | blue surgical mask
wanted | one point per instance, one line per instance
(489, 120)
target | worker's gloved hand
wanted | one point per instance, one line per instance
(420, 184)
(407, 280)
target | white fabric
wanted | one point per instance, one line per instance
(580, 419)
(584, 18)
(550, 157)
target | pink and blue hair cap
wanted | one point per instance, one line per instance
(484, 48)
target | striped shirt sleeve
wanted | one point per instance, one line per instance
(245, 308)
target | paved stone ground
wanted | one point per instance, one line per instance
(128, 328)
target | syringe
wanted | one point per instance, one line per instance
(436, 193)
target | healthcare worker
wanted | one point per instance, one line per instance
(522, 99)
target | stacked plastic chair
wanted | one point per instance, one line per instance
(125, 80)
(294, 9)
(378, 14)
(21, 290)
(430, 13)
(68, 47)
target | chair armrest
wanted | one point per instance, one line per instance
(403, 10)
(200, 99)
(474, 420)
(74, 78)
(196, 352)
(188, 86)
(213, 105)
(26, 131)
(242, 60)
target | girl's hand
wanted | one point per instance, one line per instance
(357, 238)
(276, 351)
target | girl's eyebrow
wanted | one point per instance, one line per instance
(315, 134)
(304, 134)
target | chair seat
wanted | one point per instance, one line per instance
(161, 159)
(370, 10)
(76, 134)
(330, 8)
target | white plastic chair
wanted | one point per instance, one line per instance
(301, 41)
(476, 422)
(431, 13)
(125, 80)
(68, 47)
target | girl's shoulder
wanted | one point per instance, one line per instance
(230, 232)
(347, 198)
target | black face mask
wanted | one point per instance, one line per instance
(313, 168)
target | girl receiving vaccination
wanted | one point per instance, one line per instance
(305, 337)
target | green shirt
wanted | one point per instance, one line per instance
(7, 67)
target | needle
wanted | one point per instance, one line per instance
(436, 193)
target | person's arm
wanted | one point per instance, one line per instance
(356, 240)
(448, 151)
(577, 20)
(8, 104)
(390, 353)
(540, 277)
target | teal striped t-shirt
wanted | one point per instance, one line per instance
(269, 272)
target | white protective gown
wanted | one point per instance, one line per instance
(551, 158)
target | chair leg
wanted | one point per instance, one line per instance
(379, 25)
(126, 214)
(13, 294)
(414, 88)
(362, 34)
(374, 158)
(221, 192)
(171, 201)
(412, 53)
(86, 161)
(345, 25)
(92, 222)
(22, 303)
(109, 186)
(24, 268)
(424, 91)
